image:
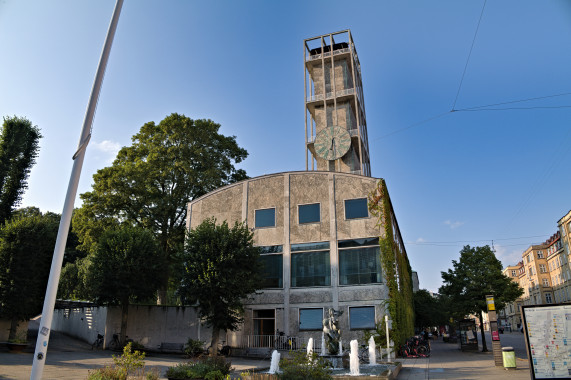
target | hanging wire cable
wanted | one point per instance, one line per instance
(469, 54)
(511, 102)
(510, 108)
(411, 126)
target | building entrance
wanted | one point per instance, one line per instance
(264, 327)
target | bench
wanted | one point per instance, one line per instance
(171, 347)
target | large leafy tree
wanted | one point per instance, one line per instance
(428, 310)
(221, 268)
(19, 145)
(151, 181)
(26, 248)
(478, 273)
(123, 269)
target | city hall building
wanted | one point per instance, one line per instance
(319, 242)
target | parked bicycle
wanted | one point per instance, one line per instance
(115, 345)
(415, 347)
(98, 343)
(363, 354)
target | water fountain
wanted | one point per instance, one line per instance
(310, 347)
(354, 358)
(275, 363)
(372, 351)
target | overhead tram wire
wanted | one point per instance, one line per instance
(478, 108)
(469, 54)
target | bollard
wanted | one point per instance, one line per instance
(508, 355)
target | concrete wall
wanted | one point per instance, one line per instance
(148, 325)
(285, 192)
(83, 323)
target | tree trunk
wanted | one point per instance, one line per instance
(124, 316)
(14, 323)
(213, 350)
(484, 348)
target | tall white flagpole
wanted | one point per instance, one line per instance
(55, 271)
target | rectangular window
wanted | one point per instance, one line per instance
(513, 273)
(542, 268)
(545, 282)
(310, 246)
(540, 255)
(360, 266)
(362, 317)
(310, 268)
(265, 218)
(310, 319)
(310, 213)
(272, 270)
(356, 208)
(548, 298)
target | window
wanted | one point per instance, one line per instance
(513, 273)
(310, 319)
(540, 255)
(362, 317)
(356, 208)
(309, 213)
(359, 265)
(542, 268)
(310, 264)
(265, 218)
(272, 264)
(545, 282)
(548, 298)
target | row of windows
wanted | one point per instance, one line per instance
(360, 317)
(311, 213)
(310, 265)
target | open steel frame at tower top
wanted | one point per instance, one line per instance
(334, 97)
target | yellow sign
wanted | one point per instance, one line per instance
(490, 302)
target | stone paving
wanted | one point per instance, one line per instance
(72, 359)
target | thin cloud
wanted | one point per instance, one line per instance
(453, 225)
(507, 256)
(420, 240)
(108, 149)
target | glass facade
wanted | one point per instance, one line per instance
(310, 267)
(360, 266)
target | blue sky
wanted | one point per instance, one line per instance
(465, 177)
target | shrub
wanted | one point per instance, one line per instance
(206, 367)
(193, 348)
(130, 363)
(299, 367)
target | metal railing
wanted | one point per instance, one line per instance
(347, 91)
(277, 342)
(327, 54)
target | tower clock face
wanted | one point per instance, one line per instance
(332, 143)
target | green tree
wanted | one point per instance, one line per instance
(478, 273)
(124, 268)
(151, 182)
(19, 144)
(221, 268)
(26, 250)
(428, 310)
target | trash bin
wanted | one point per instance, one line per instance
(508, 355)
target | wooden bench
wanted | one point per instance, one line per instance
(171, 347)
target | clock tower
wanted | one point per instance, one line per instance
(335, 123)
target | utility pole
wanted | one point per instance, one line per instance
(55, 271)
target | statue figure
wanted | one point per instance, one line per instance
(331, 331)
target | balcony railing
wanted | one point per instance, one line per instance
(327, 54)
(347, 91)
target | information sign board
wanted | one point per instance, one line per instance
(547, 332)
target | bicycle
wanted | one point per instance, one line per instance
(98, 342)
